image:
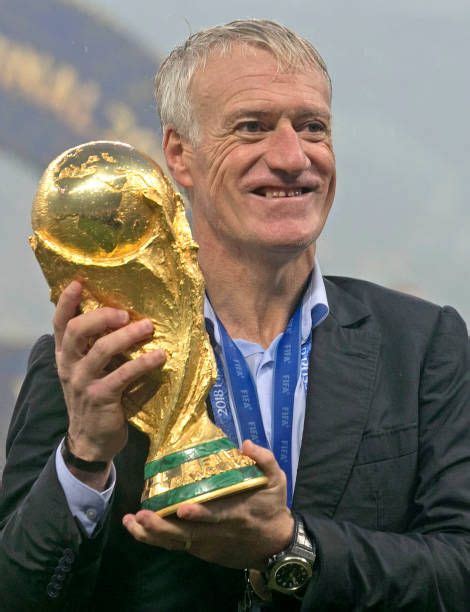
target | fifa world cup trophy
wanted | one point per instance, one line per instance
(106, 215)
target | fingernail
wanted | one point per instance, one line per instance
(123, 316)
(75, 288)
(146, 326)
(183, 513)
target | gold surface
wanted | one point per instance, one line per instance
(231, 490)
(106, 214)
(193, 471)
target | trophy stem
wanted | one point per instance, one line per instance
(203, 472)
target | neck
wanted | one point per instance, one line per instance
(255, 299)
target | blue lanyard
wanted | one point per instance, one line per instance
(290, 359)
(221, 405)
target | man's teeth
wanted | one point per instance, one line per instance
(283, 194)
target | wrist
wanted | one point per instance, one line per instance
(83, 459)
(285, 535)
(97, 480)
(101, 448)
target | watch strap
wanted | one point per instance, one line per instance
(81, 464)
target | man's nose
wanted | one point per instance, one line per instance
(286, 151)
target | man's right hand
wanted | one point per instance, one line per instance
(85, 345)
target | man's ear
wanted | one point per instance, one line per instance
(177, 154)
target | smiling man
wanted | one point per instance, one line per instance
(365, 438)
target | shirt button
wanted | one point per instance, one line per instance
(91, 513)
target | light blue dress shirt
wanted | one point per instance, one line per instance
(260, 362)
(89, 505)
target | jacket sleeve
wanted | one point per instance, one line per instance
(46, 560)
(428, 567)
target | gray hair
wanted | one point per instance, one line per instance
(173, 80)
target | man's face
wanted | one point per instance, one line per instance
(262, 176)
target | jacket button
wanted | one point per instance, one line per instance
(56, 583)
(52, 591)
(69, 555)
(58, 575)
(64, 565)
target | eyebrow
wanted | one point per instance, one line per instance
(299, 113)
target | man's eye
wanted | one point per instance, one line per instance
(250, 126)
(315, 126)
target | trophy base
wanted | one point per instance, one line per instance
(238, 488)
(207, 471)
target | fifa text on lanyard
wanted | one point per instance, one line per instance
(289, 355)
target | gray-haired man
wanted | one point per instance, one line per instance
(368, 498)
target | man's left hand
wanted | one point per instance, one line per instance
(242, 530)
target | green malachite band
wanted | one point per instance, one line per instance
(187, 492)
(196, 452)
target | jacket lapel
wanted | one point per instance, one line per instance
(342, 370)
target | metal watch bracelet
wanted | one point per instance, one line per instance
(290, 571)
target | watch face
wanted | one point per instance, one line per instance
(292, 575)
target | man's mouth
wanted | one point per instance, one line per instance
(270, 193)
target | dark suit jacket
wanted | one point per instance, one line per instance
(383, 481)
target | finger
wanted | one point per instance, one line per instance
(201, 513)
(115, 343)
(81, 329)
(118, 380)
(148, 527)
(264, 459)
(136, 530)
(151, 520)
(66, 309)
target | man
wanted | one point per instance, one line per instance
(378, 449)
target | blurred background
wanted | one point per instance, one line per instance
(72, 71)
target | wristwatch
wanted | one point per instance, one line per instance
(290, 571)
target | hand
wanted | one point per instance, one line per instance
(242, 530)
(97, 425)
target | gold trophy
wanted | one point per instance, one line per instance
(106, 215)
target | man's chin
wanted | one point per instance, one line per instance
(277, 247)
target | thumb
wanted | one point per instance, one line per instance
(264, 459)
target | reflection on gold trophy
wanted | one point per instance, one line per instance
(106, 214)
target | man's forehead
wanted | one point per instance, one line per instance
(236, 52)
(228, 67)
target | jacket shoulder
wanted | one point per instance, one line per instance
(396, 308)
(43, 349)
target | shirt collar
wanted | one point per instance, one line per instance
(314, 307)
